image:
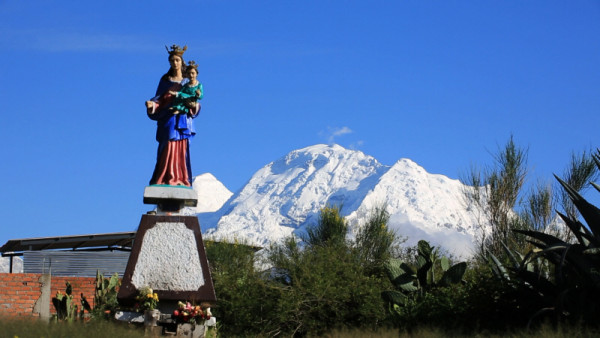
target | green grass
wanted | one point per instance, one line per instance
(546, 331)
(33, 327)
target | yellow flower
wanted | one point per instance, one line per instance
(156, 296)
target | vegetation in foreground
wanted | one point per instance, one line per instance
(33, 327)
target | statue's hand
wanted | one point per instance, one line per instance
(149, 107)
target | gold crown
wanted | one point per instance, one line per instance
(175, 50)
(192, 64)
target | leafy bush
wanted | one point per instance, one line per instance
(309, 288)
(375, 242)
(422, 286)
(330, 230)
(246, 301)
(324, 288)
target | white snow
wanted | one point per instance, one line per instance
(285, 197)
(17, 264)
(212, 194)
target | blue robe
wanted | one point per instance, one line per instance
(167, 126)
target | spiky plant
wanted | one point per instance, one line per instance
(570, 290)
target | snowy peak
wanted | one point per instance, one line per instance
(286, 195)
(212, 194)
(308, 177)
(422, 206)
(321, 174)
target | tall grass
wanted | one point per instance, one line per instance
(546, 331)
(34, 327)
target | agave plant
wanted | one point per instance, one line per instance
(412, 283)
(571, 288)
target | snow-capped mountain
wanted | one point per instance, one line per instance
(285, 197)
(422, 206)
(17, 264)
(212, 194)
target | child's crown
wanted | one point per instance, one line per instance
(192, 64)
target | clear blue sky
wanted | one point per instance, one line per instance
(443, 83)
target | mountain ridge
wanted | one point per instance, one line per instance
(285, 196)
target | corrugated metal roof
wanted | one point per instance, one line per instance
(75, 263)
(120, 240)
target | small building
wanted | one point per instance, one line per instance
(78, 256)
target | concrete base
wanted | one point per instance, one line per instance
(170, 196)
(168, 327)
(168, 256)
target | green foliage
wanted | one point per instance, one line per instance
(479, 303)
(325, 287)
(571, 289)
(495, 192)
(304, 288)
(105, 295)
(246, 300)
(374, 241)
(413, 283)
(329, 283)
(538, 210)
(330, 230)
(581, 170)
(105, 300)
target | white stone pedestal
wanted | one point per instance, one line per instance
(168, 256)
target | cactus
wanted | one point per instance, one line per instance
(105, 299)
(105, 296)
(65, 309)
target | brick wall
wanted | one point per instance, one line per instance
(19, 292)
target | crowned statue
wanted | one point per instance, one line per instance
(173, 107)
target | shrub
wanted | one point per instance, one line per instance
(246, 301)
(325, 288)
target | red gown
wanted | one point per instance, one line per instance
(173, 166)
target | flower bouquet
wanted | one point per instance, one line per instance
(146, 299)
(188, 313)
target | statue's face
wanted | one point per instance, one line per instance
(175, 62)
(192, 74)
